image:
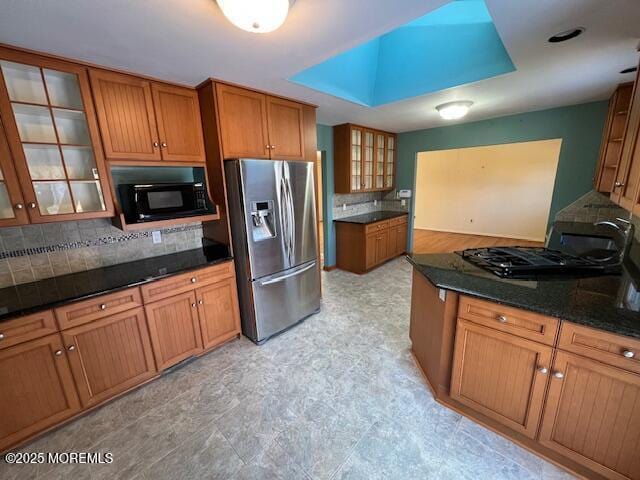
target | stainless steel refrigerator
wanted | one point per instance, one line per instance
(272, 209)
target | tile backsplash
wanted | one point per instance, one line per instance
(359, 203)
(591, 207)
(35, 252)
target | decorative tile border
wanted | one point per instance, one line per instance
(107, 240)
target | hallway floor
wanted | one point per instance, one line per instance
(337, 397)
(430, 241)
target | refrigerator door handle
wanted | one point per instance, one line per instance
(292, 220)
(288, 275)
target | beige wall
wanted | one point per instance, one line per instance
(498, 190)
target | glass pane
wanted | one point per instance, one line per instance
(6, 209)
(87, 196)
(72, 127)
(34, 123)
(24, 83)
(390, 143)
(44, 162)
(53, 197)
(63, 89)
(80, 163)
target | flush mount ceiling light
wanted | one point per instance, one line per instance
(566, 35)
(257, 16)
(454, 110)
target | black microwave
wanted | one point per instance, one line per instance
(163, 201)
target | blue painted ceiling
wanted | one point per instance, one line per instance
(453, 45)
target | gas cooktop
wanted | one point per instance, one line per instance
(531, 262)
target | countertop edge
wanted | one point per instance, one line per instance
(347, 219)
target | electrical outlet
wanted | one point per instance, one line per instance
(403, 203)
(344, 207)
(157, 236)
(375, 202)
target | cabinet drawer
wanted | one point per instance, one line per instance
(87, 311)
(18, 330)
(398, 221)
(522, 323)
(615, 350)
(376, 227)
(186, 281)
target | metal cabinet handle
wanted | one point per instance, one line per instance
(57, 353)
(71, 348)
(18, 206)
(103, 306)
(163, 144)
(273, 147)
(502, 319)
(558, 375)
(156, 144)
(268, 147)
(629, 354)
(1, 336)
(619, 184)
(193, 305)
(200, 302)
(194, 279)
(32, 205)
(543, 370)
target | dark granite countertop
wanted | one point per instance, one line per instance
(610, 302)
(372, 217)
(51, 292)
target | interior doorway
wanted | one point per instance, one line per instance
(320, 203)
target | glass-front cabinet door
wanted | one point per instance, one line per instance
(12, 209)
(52, 130)
(380, 154)
(368, 160)
(390, 164)
(356, 159)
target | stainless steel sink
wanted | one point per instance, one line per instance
(594, 247)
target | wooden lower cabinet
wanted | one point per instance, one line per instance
(110, 355)
(592, 416)
(398, 240)
(500, 375)
(174, 328)
(219, 312)
(377, 248)
(37, 389)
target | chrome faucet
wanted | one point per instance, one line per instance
(627, 232)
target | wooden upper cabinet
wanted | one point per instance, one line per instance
(37, 389)
(500, 375)
(50, 124)
(364, 159)
(110, 355)
(285, 126)
(592, 416)
(243, 125)
(179, 126)
(13, 211)
(218, 311)
(148, 121)
(125, 112)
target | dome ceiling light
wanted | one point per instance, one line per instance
(454, 110)
(256, 16)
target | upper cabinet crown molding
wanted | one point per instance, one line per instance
(147, 121)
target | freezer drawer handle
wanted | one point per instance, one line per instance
(284, 277)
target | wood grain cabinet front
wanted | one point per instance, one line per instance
(147, 121)
(175, 329)
(13, 210)
(37, 389)
(592, 416)
(28, 327)
(500, 375)
(110, 355)
(218, 312)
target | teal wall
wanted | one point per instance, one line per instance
(325, 145)
(579, 126)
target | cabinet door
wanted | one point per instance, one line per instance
(380, 160)
(592, 416)
(285, 129)
(218, 311)
(174, 328)
(390, 162)
(243, 122)
(368, 153)
(125, 112)
(500, 375)
(179, 125)
(12, 207)
(37, 389)
(51, 128)
(110, 355)
(356, 159)
(382, 246)
(399, 241)
(371, 251)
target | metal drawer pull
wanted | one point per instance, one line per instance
(289, 275)
(1, 336)
(71, 348)
(193, 280)
(103, 306)
(543, 370)
(57, 353)
(502, 319)
(200, 302)
(558, 375)
(628, 354)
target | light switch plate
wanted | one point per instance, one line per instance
(157, 236)
(442, 294)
